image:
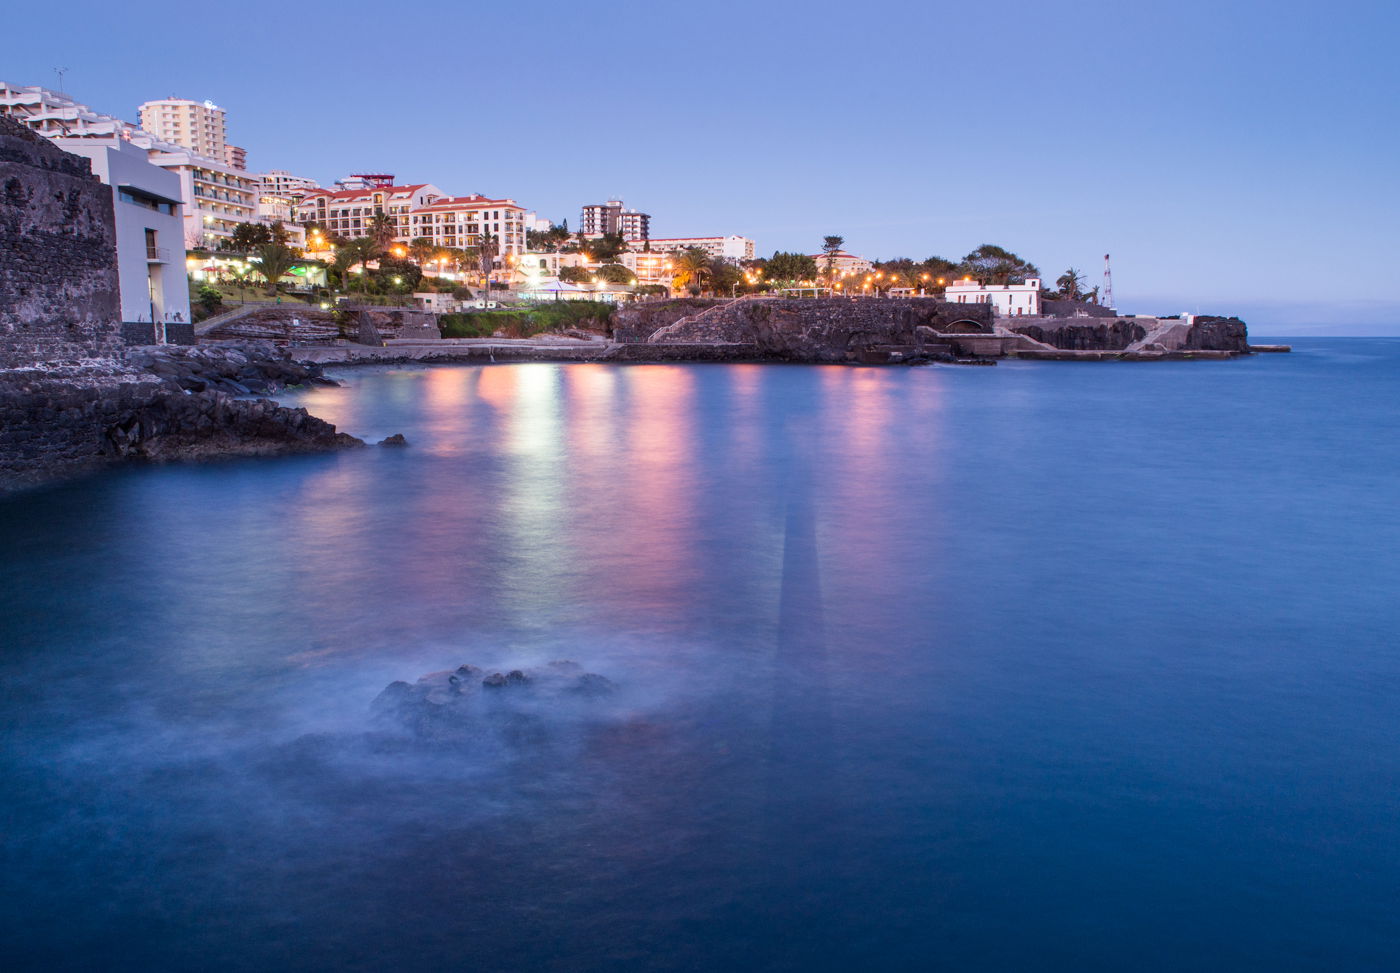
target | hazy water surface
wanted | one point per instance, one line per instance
(1048, 666)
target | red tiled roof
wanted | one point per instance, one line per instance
(468, 202)
(349, 194)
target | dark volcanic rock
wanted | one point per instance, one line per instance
(1211, 333)
(1083, 334)
(181, 427)
(395, 440)
(158, 404)
(462, 704)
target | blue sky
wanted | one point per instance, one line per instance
(1233, 156)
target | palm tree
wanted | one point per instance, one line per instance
(274, 261)
(383, 230)
(831, 246)
(691, 267)
(360, 250)
(1070, 284)
(239, 275)
(344, 259)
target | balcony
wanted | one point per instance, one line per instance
(157, 255)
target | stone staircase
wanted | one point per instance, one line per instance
(1165, 335)
(242, 311)
(667, 334)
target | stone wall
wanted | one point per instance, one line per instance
(826, 330)
(58, 259)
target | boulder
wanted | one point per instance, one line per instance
(466, 703)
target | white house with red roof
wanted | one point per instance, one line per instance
(459, 221)
(350, 212)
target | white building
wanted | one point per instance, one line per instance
(200, 126)
(280, 182)
(1007, 300)
(459, 221)
(216, 196)
(150, 229)
(56, 115)
(731, 248)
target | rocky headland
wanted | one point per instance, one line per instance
(155, 404)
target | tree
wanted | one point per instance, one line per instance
(724, 276)
(422, 250)
(615, 274)
(361, 251)
(691, 267)
(398, 275)
(789, 268)
(1071, 284)
(831, 246)
(607, 248)
(575, 275)
(277, 233)
(240, 276)
(486, 254)
(247, 237)
(991, 264)
(547, 241)
(383, 230)
(274, 261)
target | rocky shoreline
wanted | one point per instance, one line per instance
(171, 403)
(158, 405)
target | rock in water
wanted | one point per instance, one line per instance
(395, 440)
(467, 703)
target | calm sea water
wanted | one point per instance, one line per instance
(1041, 666)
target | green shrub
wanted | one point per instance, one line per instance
(209, 298)
(525, 322)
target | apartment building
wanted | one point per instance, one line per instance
(200, 126)
(731, 248)
(614, 217)
(216, 197)
(351, 212)
(464, 218)
(150, 230)
(54, 115)
(280, 182)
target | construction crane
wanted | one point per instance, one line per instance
(1106, 299)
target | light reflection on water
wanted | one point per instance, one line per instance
(980, 667)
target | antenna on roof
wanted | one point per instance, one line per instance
(60, 72)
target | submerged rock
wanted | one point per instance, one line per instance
(468, 702)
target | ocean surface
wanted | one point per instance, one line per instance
(1045, 666)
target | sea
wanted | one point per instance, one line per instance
(1044, 666)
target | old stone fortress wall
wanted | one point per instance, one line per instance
(58, 270)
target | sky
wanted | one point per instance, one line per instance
(1233, 156)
